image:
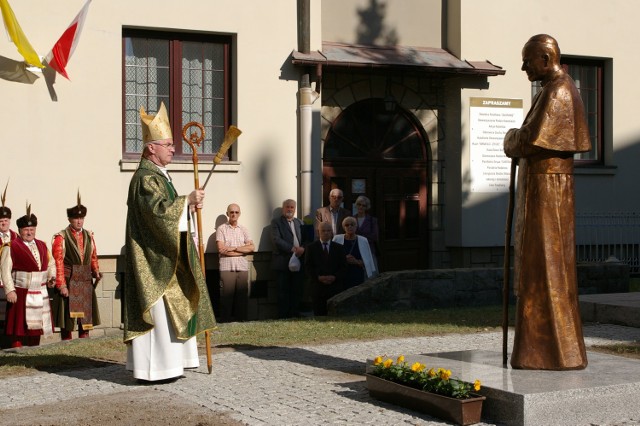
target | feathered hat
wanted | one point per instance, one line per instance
(155, 127)
(5, 212)
(29, 219)
(78, 210)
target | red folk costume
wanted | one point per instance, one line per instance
(30, 316)
(5, 238)
(76, 259)
(5, 213)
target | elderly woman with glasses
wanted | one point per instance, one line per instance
(360, 265)
(367, 225)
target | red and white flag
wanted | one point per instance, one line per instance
(64, 47)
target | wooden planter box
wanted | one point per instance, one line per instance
(460, 411)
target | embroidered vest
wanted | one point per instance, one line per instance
(72, 252)
(23, 259)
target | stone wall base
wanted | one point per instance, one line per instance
(445, 288)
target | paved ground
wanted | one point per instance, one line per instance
(309, 385)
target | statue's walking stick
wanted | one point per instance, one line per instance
(194, 140)
(507, 261)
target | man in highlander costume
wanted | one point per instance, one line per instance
(74, 301)
(27, 270)
(548, 332)
(166, 299)
(6, 236)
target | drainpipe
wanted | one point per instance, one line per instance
(306, 97)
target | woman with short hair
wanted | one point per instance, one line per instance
(360, 264)
(367, 226)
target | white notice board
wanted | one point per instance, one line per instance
(489, 120)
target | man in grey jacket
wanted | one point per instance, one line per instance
(287, 241)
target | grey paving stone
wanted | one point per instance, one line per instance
(308, 385)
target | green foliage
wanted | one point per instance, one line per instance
(419, 377)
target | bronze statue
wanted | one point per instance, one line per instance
(548, 332)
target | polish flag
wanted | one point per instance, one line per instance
(64, 47)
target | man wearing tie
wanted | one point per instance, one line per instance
(333, 213)
(326, 265)
(27, 268)
(286, 237)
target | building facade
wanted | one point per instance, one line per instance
(376, 97)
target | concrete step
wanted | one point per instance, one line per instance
(606, 390)
(611, 308)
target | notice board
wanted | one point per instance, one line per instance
(489, 121)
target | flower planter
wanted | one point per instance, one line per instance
(460, 411)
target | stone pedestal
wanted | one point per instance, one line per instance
(606, 390)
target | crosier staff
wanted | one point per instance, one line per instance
(229, 138)
(194, 140)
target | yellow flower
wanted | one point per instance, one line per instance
(416, 367)
(444, 374)
(416, 374)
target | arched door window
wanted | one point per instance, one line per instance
(377, 149)
(376, 130)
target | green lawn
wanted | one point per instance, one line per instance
(83, 353)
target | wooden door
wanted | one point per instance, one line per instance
(382, 153)
(398, 200)
(402, 198)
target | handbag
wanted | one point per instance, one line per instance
(294, 263)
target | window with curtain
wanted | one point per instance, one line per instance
(588, 75)
(190, 73)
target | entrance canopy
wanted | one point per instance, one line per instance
(430, 59)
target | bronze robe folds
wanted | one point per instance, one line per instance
(548, 332)
(161, 261)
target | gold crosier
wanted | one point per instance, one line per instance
(195, 139)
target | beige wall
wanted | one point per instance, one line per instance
(59, 138)
(403, 22)
(497, 30)
(54, 144)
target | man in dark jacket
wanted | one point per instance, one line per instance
(326, 265)
(287, 241)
